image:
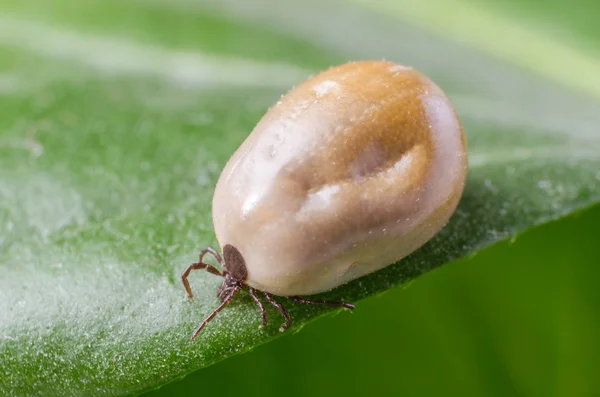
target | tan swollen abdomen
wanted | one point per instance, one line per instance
(351, 171)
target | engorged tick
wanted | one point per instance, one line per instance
(349, 172)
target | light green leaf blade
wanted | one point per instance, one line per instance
(116, 121)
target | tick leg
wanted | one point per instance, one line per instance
(214, 313)
(201, 265)
(283, 312)
(211, 251)
(263, 312)
(324, 303)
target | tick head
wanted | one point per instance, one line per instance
(235, 263)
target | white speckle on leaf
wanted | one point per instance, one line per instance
(202, 119)
(207, 171)
(9, 83)
(489, 185)
(40, 202)
(202, 178)
(83, 297)
(35, 147)
(545, 184)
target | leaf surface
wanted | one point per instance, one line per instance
(116, 120)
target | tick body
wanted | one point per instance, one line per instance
(349, 172)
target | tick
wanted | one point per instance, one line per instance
(349, 172)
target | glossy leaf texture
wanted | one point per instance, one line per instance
(116, 118)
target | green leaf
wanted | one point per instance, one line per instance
(116, 120)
